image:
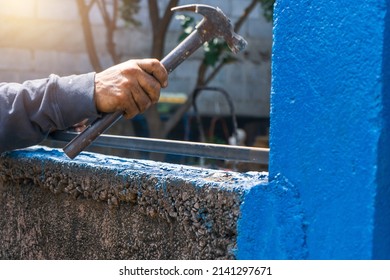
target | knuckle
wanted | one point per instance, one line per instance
(145, 104)
(129, 71)
(153, 61)
(155, 94)
(121, 97)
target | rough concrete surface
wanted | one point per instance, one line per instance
(98, 207)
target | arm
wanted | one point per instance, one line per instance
(30, 111)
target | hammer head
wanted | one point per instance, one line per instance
(215, 24)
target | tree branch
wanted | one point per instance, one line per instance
(88, 35)
(166, 19)
(153, 14)
(159, 29)
(237, 26)
(110, 24)
(245, 14)
(89, 6)
(202, 70)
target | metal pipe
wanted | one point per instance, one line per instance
(214, 151)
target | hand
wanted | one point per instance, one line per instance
(131, 87)
(79, 127)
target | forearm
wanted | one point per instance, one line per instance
(29, 111)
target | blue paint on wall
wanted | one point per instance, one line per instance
(328, 128)
(271, 225)
(382, 221)
(198, 177)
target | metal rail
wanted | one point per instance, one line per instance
(213, 151)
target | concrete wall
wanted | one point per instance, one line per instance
(39, 37)
(100, 207)
(330, 122)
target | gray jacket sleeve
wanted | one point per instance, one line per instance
(30, 111)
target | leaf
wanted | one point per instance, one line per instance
(213, 51)
(187, 24)
(128, 10)
(268, 8)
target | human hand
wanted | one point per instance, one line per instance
(131, 87)
(79, 127)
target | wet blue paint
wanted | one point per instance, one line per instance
(272, 223)
(134, 168)
(330, 122)
(382, 221)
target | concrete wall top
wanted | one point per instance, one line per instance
(99, 207)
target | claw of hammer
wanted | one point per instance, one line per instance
(215, 24)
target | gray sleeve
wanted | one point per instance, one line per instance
(30, 111)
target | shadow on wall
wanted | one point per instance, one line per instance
(382, 222)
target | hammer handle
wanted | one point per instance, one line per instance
(170, 62)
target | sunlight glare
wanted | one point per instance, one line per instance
(17, 9)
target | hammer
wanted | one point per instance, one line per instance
(214, 24)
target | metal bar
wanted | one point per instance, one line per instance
(187, 47)
(214, 151)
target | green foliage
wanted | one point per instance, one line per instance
(214, 51)
(128, 10)
(268, 8)
(187, 24)
(217, 50)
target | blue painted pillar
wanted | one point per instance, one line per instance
(330, 122)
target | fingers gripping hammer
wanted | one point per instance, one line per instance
(214, 24)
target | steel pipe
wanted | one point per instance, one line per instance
(174, 147)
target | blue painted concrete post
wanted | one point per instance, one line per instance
(330, 122)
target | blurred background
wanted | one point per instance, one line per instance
(65, 37)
